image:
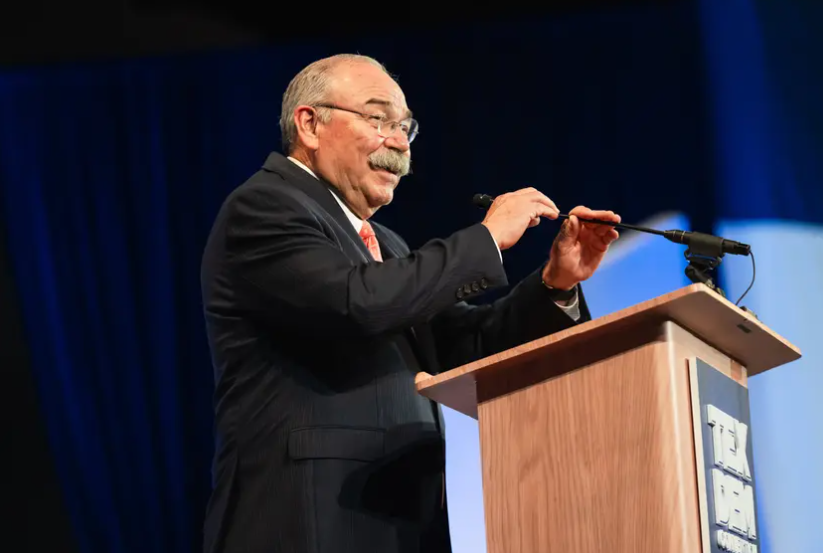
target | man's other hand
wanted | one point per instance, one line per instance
(579, 248)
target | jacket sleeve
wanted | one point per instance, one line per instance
(465, 333)
(287, 264)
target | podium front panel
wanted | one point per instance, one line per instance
(601, 458)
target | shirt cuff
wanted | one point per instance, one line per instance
(499, 253)
(570, 305)
(572, 308)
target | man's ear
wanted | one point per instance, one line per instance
(305, 118)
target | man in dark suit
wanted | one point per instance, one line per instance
(319, 320)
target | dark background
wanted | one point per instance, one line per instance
(46, 31)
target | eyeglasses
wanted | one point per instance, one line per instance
(385, 128)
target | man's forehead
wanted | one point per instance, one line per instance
(369, 86)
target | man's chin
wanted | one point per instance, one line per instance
(382, 194)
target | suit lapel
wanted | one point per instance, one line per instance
(321, 192)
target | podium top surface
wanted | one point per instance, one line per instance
(698, 309)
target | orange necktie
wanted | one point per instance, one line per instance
(367, 234)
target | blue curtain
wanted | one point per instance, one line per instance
(111, 174)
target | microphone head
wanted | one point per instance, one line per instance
(736, 248)
(483, 201)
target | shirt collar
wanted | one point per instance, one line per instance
(356, 221)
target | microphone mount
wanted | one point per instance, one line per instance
(700, 267)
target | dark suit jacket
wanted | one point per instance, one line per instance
(322, 443)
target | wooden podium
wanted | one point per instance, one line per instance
(589, 437)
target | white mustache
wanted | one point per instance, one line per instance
(392, 161)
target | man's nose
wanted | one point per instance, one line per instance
(398, 141)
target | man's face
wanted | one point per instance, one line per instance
(365, 166)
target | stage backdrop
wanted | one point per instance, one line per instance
(703, 114)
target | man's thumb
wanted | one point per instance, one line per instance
(570, 229)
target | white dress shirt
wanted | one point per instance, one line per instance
(572, 308)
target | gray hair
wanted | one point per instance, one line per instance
(310, 87)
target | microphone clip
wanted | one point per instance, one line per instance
(702, 262)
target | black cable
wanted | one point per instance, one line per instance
(751, 254)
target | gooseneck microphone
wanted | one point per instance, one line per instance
(706, 244)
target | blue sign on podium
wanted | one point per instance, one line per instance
(726, 472)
